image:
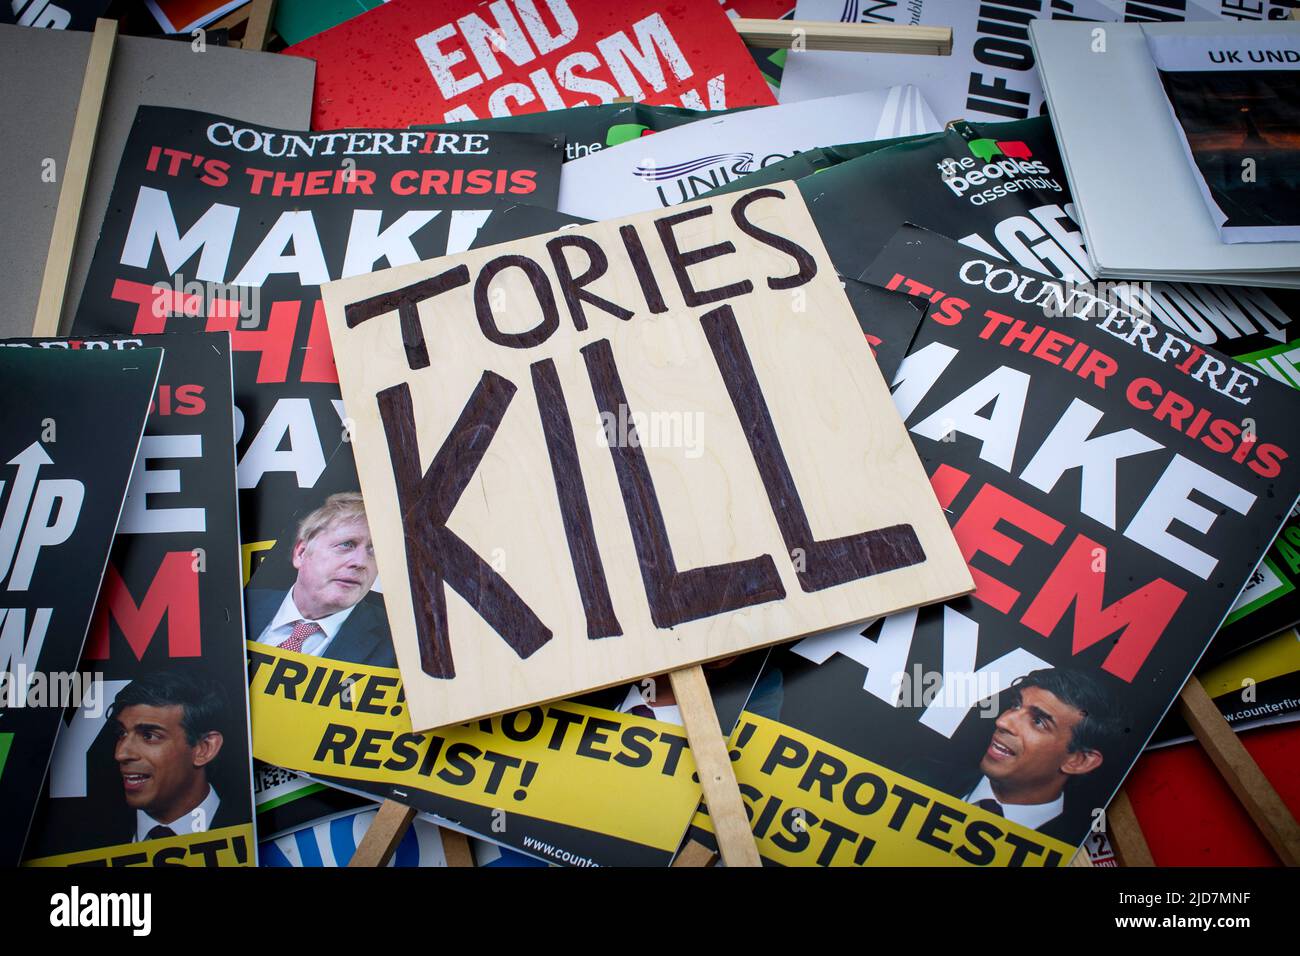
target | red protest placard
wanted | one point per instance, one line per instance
(416, 61)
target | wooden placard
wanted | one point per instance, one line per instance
(623, 449)
(713, 767)
(256, 17)
(1261, 800)
(852, 37)
(1125, 833)
(695, 854)
(456, 848)
(76, 174)
(384, 833)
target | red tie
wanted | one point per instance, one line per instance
(301, 631)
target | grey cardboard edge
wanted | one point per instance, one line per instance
(266, 89)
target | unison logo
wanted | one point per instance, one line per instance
(684, 181)
(652, 172)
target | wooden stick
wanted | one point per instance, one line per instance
(1125, 833)
(713, 763)
(260, 15)
(855, 37)
(1242, 774)
(695, 853)
(386, 831)
(456, 848)
(232, 19)
(1082, 858)
(76, 173)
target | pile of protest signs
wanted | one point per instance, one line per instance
(565, 414)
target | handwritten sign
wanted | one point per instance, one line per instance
(624, 448)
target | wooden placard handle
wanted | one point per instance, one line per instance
(1125, 833)
(386, 831)
(713, 764)
(695, 853)
(1241, 773)
(232, 19)
(456, 848)
(258, 30)
(76, 174)
(256, 16)
(850, 37)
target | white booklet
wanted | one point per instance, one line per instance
(1135, 195)
(678, 165)
(1235, 101)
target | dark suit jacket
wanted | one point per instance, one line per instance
(960, 780)
(364, 637)
(224, 817)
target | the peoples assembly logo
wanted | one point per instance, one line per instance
(621, 133)
(1002, 166)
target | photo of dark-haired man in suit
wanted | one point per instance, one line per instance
(168, 731)
(1058, 728)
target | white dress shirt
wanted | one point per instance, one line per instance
(1032, 815)
(281, 627)
(669, 714)
(192, 822)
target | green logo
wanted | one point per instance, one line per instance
(624, 133)
(986, 149)
(5, 741)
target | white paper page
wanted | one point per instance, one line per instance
(1244, 127)
(990, 75)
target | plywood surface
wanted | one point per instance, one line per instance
(759, 485)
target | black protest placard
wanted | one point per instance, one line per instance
(70, 425)
(1001, 188)
(159, 771)
(1112, 486)
(64, 15)
(217, 225)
